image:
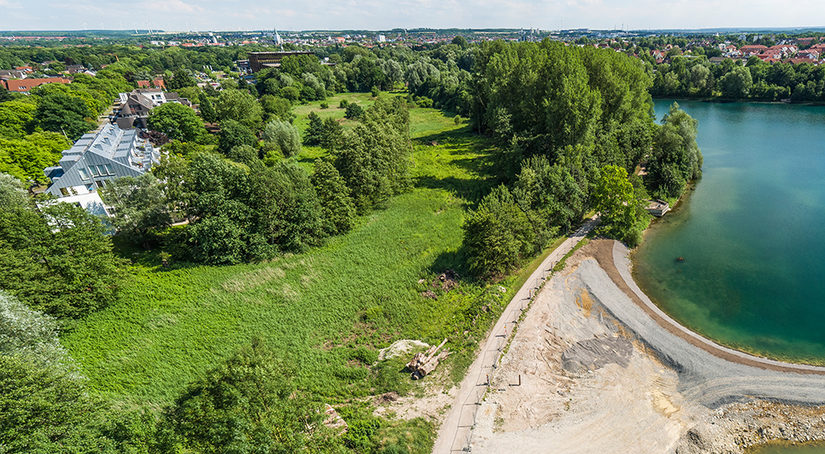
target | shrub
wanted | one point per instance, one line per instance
(457, 119)
(374, 91)
(324, 105)
(354, 111)
(343, 104)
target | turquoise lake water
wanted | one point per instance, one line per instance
(752, 234)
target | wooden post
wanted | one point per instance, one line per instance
(519, 379)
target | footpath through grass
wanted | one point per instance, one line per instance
(326, 311)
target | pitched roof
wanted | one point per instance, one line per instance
(23, 85)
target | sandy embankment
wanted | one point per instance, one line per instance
(601, 372)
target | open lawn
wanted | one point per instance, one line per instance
(326, 311)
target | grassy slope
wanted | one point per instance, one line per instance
(317, 308)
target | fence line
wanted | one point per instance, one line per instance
(469, 408)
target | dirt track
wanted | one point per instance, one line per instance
(582, 391)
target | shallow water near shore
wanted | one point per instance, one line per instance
(753, 275)
(817, 448)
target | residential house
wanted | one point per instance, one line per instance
(12, 74)
(74, 69)
(752, 49)
(24, 85)
(811, 54)
(658, 55)
(157, 82)
(94, 160)
(135, 106)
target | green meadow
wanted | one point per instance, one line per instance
(326, 311)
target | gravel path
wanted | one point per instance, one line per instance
(453, 435)
(709, 373)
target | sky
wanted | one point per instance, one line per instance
(184, 15)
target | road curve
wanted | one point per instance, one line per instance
(456, 428)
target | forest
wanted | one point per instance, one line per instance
(255, 273)
(756, 80)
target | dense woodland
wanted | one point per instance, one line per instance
(756, 80)
(571, 126)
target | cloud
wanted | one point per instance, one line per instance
(170, 6)
(385, 14)
(8, 4)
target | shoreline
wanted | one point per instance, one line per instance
(675, 211)
(619, 267)
(731, 101)
(590, 370)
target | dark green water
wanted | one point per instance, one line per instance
(752, 233)
(781, 449)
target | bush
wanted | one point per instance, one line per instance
(423, 101)
(354, 111)
(457, 119)
(324, 105)
(375, 91)
(343, 104)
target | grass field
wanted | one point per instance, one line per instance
(328, 310)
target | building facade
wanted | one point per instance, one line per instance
(97, 158)
(135, 106)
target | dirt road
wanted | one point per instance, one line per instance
(453, 436)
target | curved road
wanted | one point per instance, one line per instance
(456, 428)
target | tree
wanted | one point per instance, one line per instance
(181, 78)
(353, 111)
(214, 194)
(244, 154)
(737, 83)
(676, 158)
(44, 409)
(326, 133)
(240, 106)
(623, 216)
(206, 109)
(27, 157)
(29, 334)
(141, 210)
(16, 118)
(247, 405)
(460, 41)
(334, 195)
(234, 134)
(285, 207)
(177, 121)
(59, 261)
(553, 192)
(277, 108)
(374, 156)
(12, 195)
(64, 113)
(284, 135)
(497, 234)
(315, 129)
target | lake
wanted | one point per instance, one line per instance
(816, 448)
(753, 275)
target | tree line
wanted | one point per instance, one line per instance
(756, 80)
(576, 124)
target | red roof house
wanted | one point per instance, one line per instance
(24, 85)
